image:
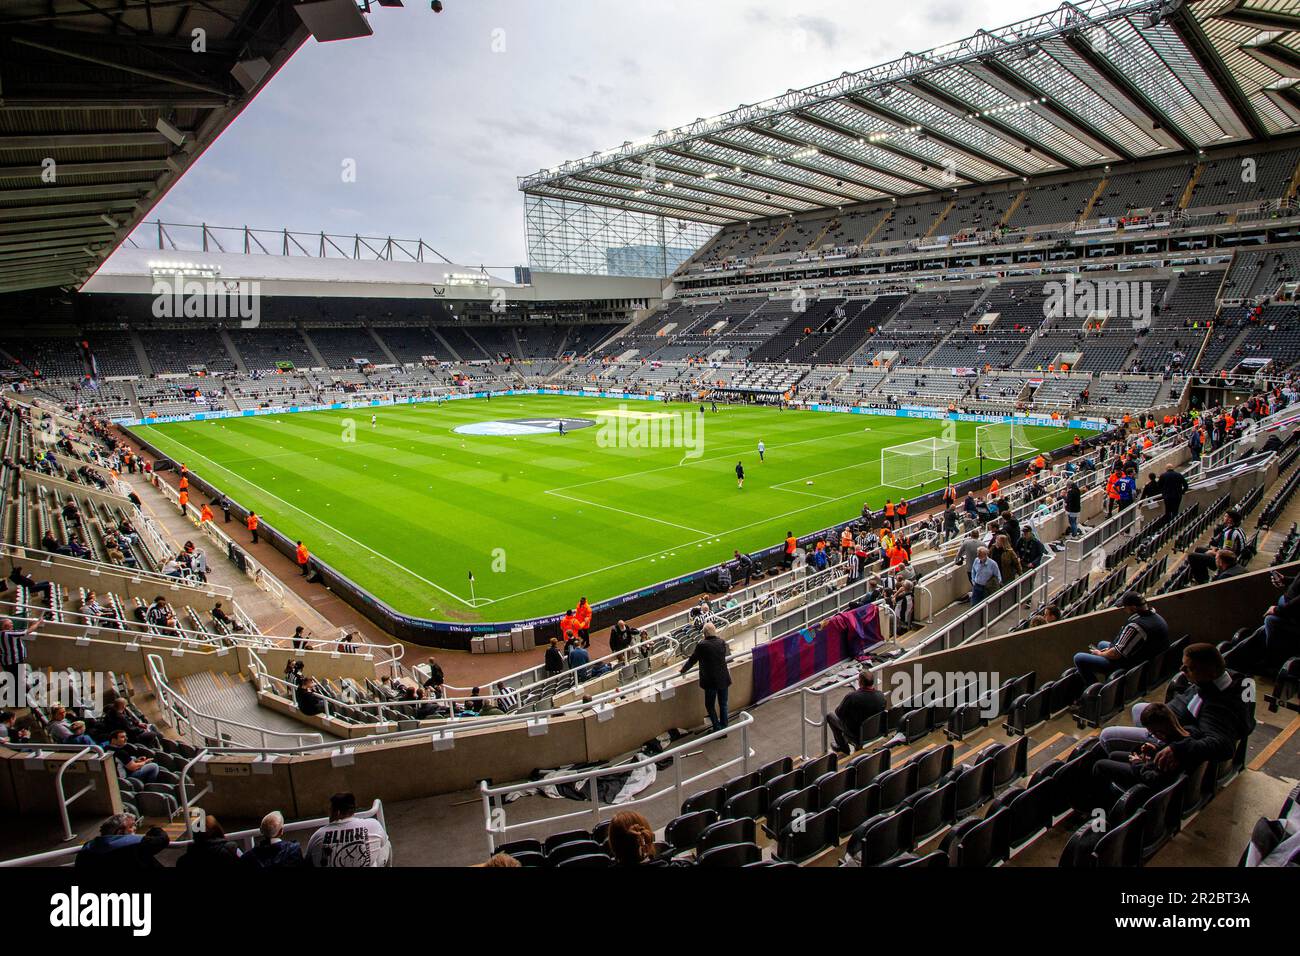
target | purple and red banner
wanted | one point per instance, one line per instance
(787, 660)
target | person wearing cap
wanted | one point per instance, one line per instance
(1144, 635)
(857, 707)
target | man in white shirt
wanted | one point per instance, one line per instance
(761, 450)
(347, 840)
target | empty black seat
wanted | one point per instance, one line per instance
(683, 832)
(974, 787)
(856, 807)
(980, 844)
(568, 836)
(1028, 813)
(567, 851)
(831, 785)
(932, 810)
(746, 781)
(733, 854)
(724, 832)
(811, 834)
(1164, 816)
(751, 804)
(867, 767)
(789, 806)
(775, 769)
(782, 784)
(705, 800)
(882, 838)
(932, 764)
(896, 785)
(587, 860)
(827, 762)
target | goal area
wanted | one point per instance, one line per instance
(916, 462)
(1003, 442)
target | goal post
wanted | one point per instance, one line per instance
(916, 462)
(1005, 441)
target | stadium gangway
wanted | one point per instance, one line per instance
(495, 824)
(199, 640)
(253, 568)
(246, 839)
(973, 625)
(186, 714)
(1076, 549)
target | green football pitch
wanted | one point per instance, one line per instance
(408, 507)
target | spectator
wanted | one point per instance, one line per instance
(58, 728)
(23, 580)
(1073, 506)
(631, 839)
(1030, 550)
(272, 850)
(1212, 704)
(310, 702)
(119, 847)
(347, 840)
(1277, 639)
(8, 732)
(436, 679)
(131, 765)
(13, 648)
(710, 653)
(1172, 488)
(968, 550)
(1144, 635)
(578, 658)
(502, 859)
(555, 663)
(119, 717)
(1005, 555)
(1113, 776)
(1229, 535)
(745, 565)
(621, 637)
(904, 606)
(79, 735)
(985, 576)
(857, 707)
(210, 849)
(1226, 565)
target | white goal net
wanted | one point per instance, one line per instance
(1003, 442)
(905, 466)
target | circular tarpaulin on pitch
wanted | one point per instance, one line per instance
(515, 427)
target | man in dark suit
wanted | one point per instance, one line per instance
(854, 710)
(1172, 488)
(715, 680)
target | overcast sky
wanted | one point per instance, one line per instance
(441, 112)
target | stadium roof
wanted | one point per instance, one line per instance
(94, 95)
(1086, 84)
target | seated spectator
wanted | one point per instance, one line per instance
(502, 859)
(210, 849)
(1228, 535)
(58, 729)
(1277, 639)
(1144, 635)
(1226, 565)
(1209, 701)
(18, 577)
(272, 850)
(1115, 774)
(95, 612)
(8, 732)
(118, 717)
(225, 620)
(347, 840)
(119, 847)
(631, 839)
(853, 711)
(129, 763)
(309, 700)
(79, 735)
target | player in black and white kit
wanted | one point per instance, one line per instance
(740, 475)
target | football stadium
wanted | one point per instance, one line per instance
(898, 471)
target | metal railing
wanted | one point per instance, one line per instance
(188, 718)
(496, 826)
